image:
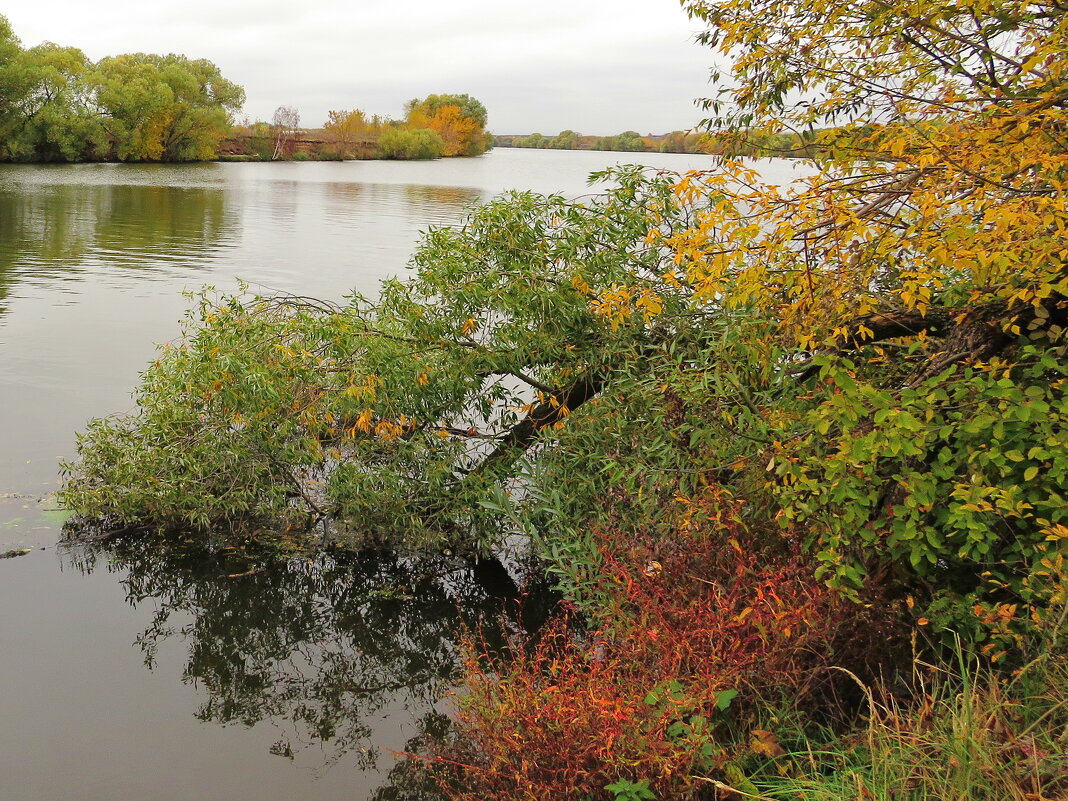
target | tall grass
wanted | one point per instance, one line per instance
(965, 734)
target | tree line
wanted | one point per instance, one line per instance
(750, 143)
(57, 105)
(439, 125)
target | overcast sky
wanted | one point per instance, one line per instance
(595, 66)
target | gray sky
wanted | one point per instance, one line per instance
(595, 66)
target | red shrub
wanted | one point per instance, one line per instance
(649, 695)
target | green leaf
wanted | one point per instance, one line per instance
(724, 699)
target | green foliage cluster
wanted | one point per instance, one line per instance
(628, 141)
(960, 480)
(56, 105)
(410, 143)
(410, 416)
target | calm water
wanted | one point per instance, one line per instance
(147, 675)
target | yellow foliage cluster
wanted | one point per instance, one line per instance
(617, 303)
(943, 183)
(456, 130)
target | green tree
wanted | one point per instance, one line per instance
(12, 86)
(566, 140)
(536, 140)
(631, 141)
(53, 115)
(164, 108)
(204, 105)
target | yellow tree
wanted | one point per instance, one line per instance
(350, 128)
(948, 161)
(456, 130)
(918, 275)
(460, 120)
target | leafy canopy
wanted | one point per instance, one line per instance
(402, 415)
(460, 121)
(56, 105)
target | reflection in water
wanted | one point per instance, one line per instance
(326, 649)
(435, 205)
(438, 196)
(182, 225)
(54, 232)
(282, 200)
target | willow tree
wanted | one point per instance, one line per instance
(54, 117)
(46, 106)
(411, 415)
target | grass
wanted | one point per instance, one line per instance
(964, 734)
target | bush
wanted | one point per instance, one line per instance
(698, 632)
(410, 143)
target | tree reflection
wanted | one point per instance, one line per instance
(328, 646)
(58, 230)
(143, 225)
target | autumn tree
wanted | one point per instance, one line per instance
(350, 128)
(459, 120)
(886, 397)
(919, 268)
(566, 140)
(164, 108)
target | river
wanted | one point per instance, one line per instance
(135, 674)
